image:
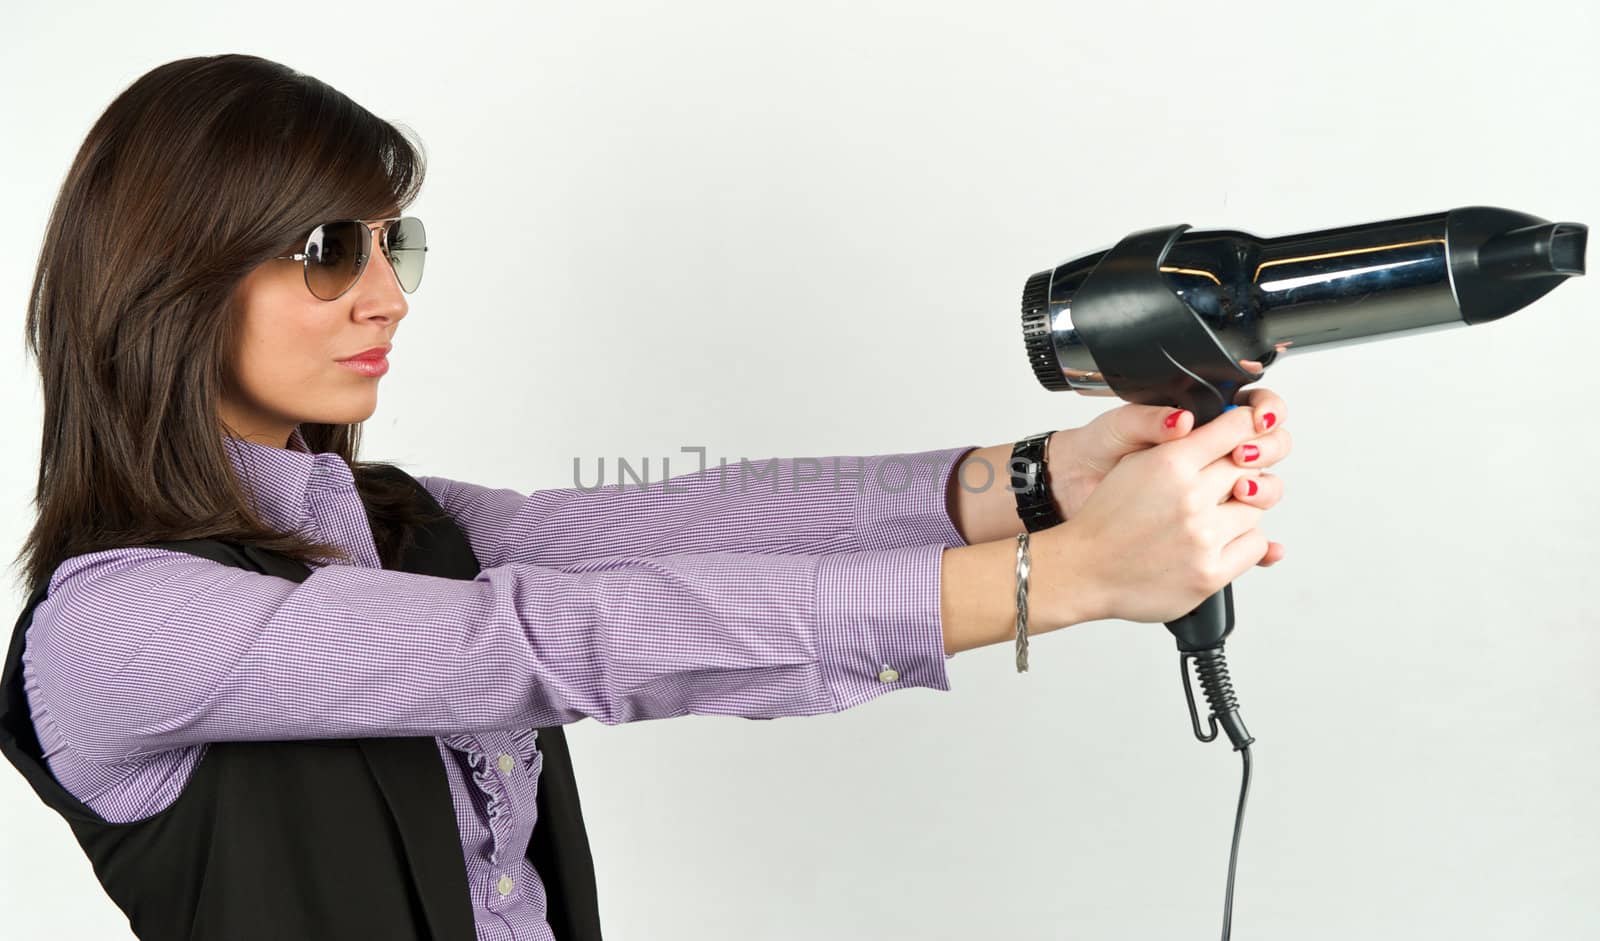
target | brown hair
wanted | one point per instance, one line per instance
(197, 172)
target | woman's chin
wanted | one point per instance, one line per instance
(350, 410)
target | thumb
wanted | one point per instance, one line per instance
(1132, 427)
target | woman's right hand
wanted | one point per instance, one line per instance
(1161, 532)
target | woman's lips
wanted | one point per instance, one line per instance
(367, 365)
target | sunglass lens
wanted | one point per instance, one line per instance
(408, 247)
(336, 253)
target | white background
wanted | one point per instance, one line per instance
(781, 230)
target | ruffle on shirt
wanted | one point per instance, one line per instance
(486, 775)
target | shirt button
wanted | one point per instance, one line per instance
(889, 674)
(507, 762)
(505, 885)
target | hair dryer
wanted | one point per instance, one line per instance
(1181, 318)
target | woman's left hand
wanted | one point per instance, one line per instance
(1079, 458)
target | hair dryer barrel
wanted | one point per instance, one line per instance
(1260, 298)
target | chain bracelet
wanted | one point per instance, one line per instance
(1022, 602)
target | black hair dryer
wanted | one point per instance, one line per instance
(1182, 318)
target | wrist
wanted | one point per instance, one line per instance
(980, 502)
(1062, 576)
(981, 505)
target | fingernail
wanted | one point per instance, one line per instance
(1251, 484)
(1172, 420)
(1268, 420)
(1250, 452)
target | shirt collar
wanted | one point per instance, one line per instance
(281, 479)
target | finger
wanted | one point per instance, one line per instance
(1225, 479)
(1245, 552)
(1236, 518)
(1131, 428)
(1268, 489)
(1264, 451)
(1215, 439)
(1266, 403)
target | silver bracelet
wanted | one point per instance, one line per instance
(1022, 602)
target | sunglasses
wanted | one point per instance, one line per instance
(336, 254)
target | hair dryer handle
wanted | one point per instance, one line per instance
(1206, 626)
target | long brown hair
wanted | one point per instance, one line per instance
(197, 172)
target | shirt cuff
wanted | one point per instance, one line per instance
(879, 625)
(904, 500)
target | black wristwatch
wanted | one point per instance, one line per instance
(1030, 481)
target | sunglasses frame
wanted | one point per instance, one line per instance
(304, 257)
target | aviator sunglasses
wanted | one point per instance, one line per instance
(336, 253)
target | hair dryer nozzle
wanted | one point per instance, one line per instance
(1502, 260)
(1567, 244)
(1551, 248)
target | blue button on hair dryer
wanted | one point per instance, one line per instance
(1182, 318)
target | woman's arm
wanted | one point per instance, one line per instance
(811, 506)
(139, 650)
(982, 506)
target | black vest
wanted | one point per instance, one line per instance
(337, 838)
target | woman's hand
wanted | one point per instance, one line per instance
(1080, 458)
(1161, 534)
(982, 506)
(1169, 525)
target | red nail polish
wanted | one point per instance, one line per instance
(1251, 452)
(1268, 420)
(1252, 485)
(1172, 420)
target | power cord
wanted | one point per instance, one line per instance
(1212, 667)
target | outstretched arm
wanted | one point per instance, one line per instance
(814, 506)
(140, 650)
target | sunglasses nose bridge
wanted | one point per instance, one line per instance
(375, 243)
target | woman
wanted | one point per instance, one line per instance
(281, 692)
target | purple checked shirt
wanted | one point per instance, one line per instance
(812, 590)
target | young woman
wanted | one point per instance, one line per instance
(281, 692)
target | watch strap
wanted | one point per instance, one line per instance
(1030, 482)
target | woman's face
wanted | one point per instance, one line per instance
(286, 368)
